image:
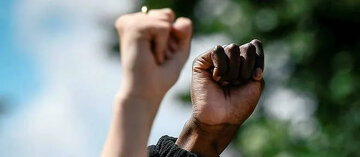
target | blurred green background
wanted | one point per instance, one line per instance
(311, 47)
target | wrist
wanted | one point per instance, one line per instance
(131, 124)
(131, 101)
(132, 90)
(206, 140)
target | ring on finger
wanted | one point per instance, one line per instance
(144, 9)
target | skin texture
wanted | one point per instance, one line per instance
(225, 89)
(154, 48)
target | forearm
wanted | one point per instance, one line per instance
(149, 74)
(205, 140)
(130, 127)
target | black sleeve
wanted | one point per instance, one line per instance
(166, 147)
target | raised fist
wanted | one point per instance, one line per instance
(227, 83)
(154, 48)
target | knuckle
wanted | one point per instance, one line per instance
(169, 12)
(245, 46)
(251, 48)
(119, 22)
(216, 52)
(190, 23)
(126, 21)
(218, 48)
(248, 48)
(187, 21)
(232, 46)
(256, 42)
(130, 22)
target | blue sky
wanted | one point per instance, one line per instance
(18, 75)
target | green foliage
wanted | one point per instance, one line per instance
(321, 40)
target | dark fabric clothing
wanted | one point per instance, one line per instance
(166, 147)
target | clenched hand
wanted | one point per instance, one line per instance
(154, 48)
(227, 83)
(226, 86)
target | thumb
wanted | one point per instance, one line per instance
(182, 30)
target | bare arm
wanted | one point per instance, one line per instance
(154, 48)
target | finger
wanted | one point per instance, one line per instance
(203, 62)
(259, 60)
(182, 31)
(172, 44)
(181, 35)
(220, 63)
(232, 51)
(172, 47)
(162, 51)
(165, 14)
(257, 74)
(247, 55)
(161, 34)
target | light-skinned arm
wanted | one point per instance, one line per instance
(154, 48)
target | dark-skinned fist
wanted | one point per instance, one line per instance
(227, 83)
